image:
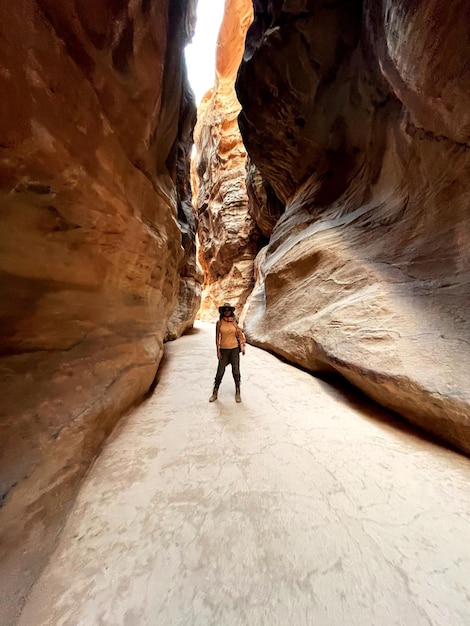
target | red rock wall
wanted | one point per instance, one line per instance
(358, 116)
(92, 113)
(227, 233)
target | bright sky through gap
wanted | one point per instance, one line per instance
(200, 54)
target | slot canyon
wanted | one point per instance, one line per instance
(328, 200)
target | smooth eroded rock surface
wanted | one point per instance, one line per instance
(227, 233)
(357, 115)
(92, 115)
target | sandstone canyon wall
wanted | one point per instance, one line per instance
(94, 119)
(263, 204)
(358, 115)
(227, 233)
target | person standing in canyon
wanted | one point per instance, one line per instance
(230, 341)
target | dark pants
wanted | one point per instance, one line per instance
(231, 356)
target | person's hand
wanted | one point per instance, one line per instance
(218, 354)
(243, 350)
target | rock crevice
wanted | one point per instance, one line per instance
(228, 234)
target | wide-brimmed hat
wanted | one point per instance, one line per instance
(226, 307)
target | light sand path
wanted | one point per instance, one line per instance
(293, 508)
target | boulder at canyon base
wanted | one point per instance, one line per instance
(358, 115)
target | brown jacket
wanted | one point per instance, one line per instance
(238, 332)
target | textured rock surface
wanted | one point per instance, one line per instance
(227, 233)
(264, 206)
(358, 116)
(190, 276)
(90, 249)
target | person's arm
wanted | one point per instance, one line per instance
(217, 338)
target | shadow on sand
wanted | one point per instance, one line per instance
(337, 386)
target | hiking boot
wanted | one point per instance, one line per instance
(237, 394)
(213, 397)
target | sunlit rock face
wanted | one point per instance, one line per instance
(227, 233)
(358, 115)
(92, 115)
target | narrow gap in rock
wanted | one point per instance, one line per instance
(321, 188)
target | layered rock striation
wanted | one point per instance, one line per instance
(228, 235)
(94, 117)
(358, 116)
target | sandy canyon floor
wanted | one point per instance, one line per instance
(301, 506)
